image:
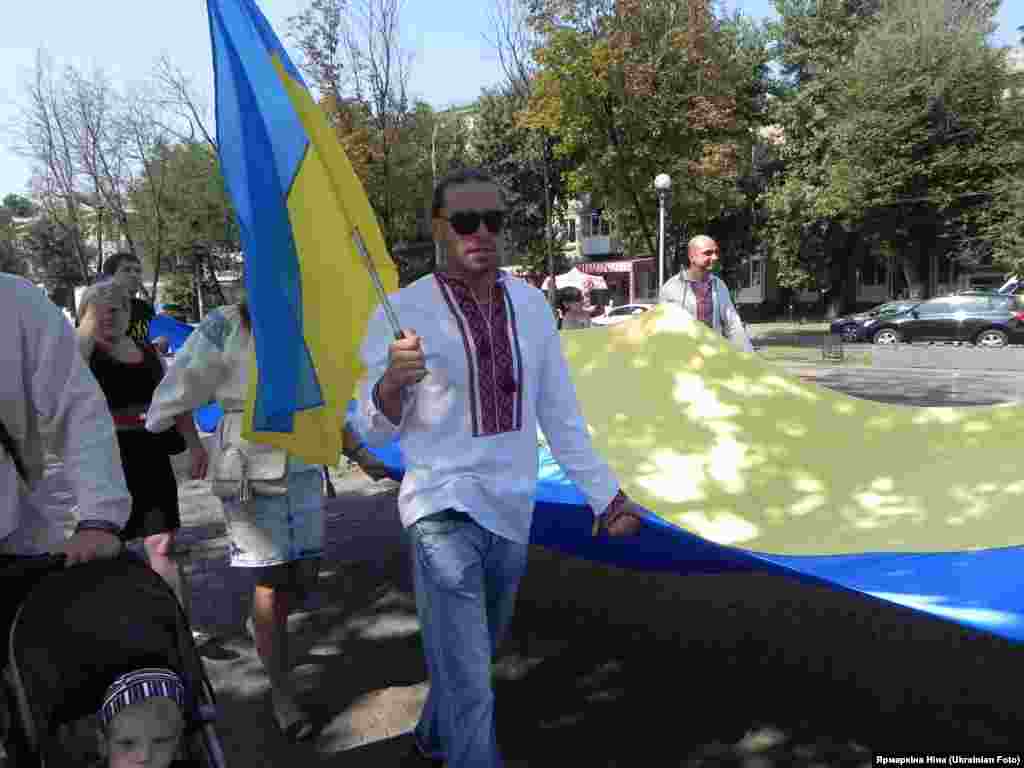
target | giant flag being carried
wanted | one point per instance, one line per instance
(745, 467)
(301, 210)
(751, 469)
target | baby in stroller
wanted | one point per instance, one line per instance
(144, 681)
(141, 720)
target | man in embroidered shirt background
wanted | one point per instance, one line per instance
(704, 295)
(479, 367)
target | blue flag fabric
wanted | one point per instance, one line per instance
(301, 208)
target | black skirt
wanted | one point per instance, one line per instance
(152, 484)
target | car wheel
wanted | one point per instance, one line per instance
(886, 336)
(991, 337)
(850, 334)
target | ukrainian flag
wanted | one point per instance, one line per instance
(300, 208)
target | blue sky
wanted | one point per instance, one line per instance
(452, 59)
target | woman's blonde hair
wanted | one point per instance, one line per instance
(105, 291)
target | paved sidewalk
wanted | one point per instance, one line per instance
(606, 667)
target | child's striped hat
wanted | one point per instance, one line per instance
(138, 686)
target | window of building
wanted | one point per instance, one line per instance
(572, 231)
(750, 273)
(598, 224)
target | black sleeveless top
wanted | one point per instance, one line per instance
(129, 389)
(127, 385)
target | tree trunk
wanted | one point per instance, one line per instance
(853, 251)
(156, 266)
(99, 239)
(638, 207)
(911, 274)
(552, 291)
(213, 277)
(75, 231)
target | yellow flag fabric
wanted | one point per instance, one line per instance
(740, 453)
(298, 204)
(326, 206)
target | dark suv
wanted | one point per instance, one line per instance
(986, 320)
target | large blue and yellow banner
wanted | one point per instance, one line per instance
(299, 205)
(747, 468)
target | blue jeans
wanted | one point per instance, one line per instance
(466, 579)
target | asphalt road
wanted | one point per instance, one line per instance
(919, 387)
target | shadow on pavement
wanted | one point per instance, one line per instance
(619, 668)
(605, 667)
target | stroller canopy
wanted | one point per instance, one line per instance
(81, 628)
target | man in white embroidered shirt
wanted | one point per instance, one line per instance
(704, 295)
(464, 393)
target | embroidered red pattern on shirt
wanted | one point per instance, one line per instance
(448, 296)
(704, 301)
(489, 335)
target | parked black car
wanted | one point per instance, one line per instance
(985, 320)
(851, 327)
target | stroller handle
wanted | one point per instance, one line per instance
(48, 561)
(53, 559)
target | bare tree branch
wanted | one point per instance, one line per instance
(45, 138)
(319, 32)
(177, 94)
(146, 140)
(513, 39)
(94, 124)
(380, 68)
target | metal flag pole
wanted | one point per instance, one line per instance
(382, 294)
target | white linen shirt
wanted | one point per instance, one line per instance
(467, 433)
(212, 364)
(46, 389)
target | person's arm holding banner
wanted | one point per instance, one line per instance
(559, 417)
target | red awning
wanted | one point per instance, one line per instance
(623, 265)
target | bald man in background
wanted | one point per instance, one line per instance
(704, 295)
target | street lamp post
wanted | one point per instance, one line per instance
(662, 185)
(552, 288)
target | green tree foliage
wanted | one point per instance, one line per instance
(1002, 223)
(633, 89)
(814, 37)
(179, 291)
(183, 200)
(47, 245)
(895, 131)
(12, 231)
(514, 155)
(181, 213)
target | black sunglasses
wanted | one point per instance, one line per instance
(467, 222)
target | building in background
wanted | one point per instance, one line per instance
(591, 245)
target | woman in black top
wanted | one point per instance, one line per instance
(128, 373)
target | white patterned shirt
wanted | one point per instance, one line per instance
(468, 431)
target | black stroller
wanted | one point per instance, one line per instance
(81, 628)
